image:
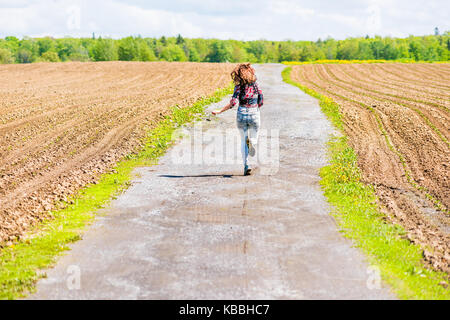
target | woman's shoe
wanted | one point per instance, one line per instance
(247, 171)
(251, 149)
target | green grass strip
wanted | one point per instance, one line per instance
(357, 213)
(20, 263)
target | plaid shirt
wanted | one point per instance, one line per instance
(251, 97)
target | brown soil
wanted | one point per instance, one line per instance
(412, 103)
(63, 124)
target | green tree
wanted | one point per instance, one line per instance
(192, 52)
(347, 50)
(202, 47)
(28, 50)
(220, 52)
(128, 49)
(271, 53)
(6, 56)
(145, 53)
(257, 49)
(24, 56)
(66, 47)
(180, 40)
(50, 56)
(403, 50)
(365, 51)
(80, 54)
(417, 50)
(429, 48)
(104, 50)
(287, 51)
(45, 44)
(310, 52)
(390, 50)
(330, 48)
(238, 54)
(173, 53)
(12, 43)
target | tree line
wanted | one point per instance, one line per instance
(414, 48)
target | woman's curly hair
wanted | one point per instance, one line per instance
(243, 74)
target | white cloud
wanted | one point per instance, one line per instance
(286, 7)
(252, 19)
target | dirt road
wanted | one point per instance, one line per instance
(201, 230)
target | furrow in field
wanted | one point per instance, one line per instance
(419, 72)
(396, 82)
(436, 70)
(434, 118)
(419, 81)
(415, 73)
(428, 95)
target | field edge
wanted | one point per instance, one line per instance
(22, 262)
(355, 207)
(406, 61)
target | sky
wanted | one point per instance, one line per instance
(230, 19)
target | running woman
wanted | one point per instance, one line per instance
(250, 99)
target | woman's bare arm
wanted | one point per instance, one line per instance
(227, 107)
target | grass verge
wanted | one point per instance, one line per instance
(357, 213)
(20, 263)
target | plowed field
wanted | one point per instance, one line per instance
(397, 119)
(62, 124)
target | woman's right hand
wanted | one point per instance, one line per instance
(219, 111)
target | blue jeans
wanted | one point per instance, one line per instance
(248, 122)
